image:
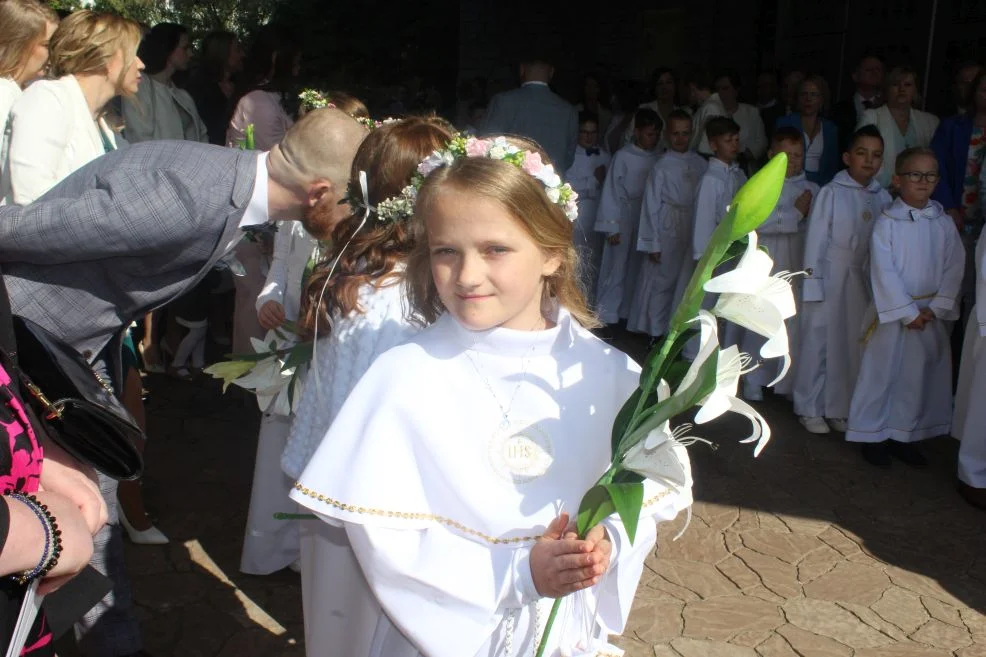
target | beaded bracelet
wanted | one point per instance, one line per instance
(53, 538)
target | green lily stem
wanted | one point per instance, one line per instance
(606, 478)
(547, 628)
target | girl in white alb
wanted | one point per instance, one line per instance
(459, 449)
(366, 301)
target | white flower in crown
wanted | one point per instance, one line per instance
(750, 297)
(434, 161)
(730, 365)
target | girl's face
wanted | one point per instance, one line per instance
(38, 57)
(487, 269)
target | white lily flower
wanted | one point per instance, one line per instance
(755, 300)
(730, 365)
(662, 457)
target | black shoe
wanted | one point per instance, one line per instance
(906, 453)
(974, 496)
(876, 454)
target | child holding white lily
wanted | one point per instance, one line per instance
(618, 217)
(904, 390)
(782, 234)
(458, 449)
(836, 287)
(666, 230)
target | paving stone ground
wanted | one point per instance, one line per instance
(805, 551)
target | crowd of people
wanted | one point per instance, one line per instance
(139, 182)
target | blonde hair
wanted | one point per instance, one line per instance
(86, 41)
(524, 198)
(24, 24)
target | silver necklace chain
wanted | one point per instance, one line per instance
(504, 410)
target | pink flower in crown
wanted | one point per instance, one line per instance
(532, 163)
(478, 147)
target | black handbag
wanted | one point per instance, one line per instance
(80, 411)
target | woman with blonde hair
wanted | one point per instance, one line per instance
(27, 27)
(57, 125)
(900, 124)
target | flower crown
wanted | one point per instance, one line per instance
(313, 99)
(499, 148)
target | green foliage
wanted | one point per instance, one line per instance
(238, 16)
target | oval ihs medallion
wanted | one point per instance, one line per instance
(520, 453)
(867, 215)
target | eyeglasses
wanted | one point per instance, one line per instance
(918, 176)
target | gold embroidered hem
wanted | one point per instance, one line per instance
(442, 520)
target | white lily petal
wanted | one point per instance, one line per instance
(663, 390)
(751, 312)
(666, 464)
(749, 274)
(708, 342)
(259, 345)
(761, 430)
(712, 407)
(784, 368)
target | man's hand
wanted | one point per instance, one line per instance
(271, 315)
(654, 257)
(614, 239)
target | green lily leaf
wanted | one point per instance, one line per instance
(300, 354)
(622, 422)
(603, 500)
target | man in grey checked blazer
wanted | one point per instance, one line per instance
(137, 228)
(536, 112)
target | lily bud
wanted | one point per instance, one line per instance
(756, 199)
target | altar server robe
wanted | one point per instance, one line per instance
(665, 228)
(442, 492)
(782, 234)
(904, 390)
(619, 213)
(582, 177)
(715, 192)
(836, 294)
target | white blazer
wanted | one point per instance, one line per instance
(160, 111)
(924, 124)
(52, 133)
(293, 247)
(10, 91)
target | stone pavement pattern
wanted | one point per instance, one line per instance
(805, 551)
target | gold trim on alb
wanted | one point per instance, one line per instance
(442, 520)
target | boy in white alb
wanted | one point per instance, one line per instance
(782, 234)
(586, 176)
(836, 288)
(618, 217)
(904, 390)
(721, 181)
(666, 230)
